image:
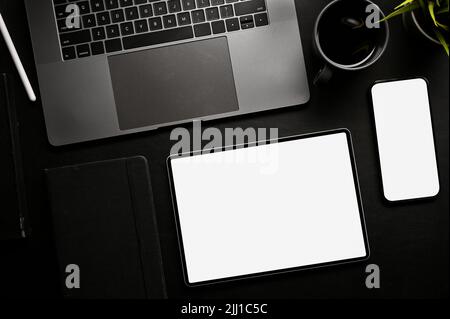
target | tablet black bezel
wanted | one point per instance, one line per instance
(280, 271)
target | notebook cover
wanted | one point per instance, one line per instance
(105, 223)
(13, 212)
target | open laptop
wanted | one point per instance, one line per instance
(136, 65)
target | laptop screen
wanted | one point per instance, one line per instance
(276, 207)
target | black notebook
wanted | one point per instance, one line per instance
(12, 195)
(105, 224)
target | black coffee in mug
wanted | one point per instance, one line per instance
(344, 36)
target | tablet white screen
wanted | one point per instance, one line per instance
(268, 208)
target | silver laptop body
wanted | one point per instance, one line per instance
(218, 62)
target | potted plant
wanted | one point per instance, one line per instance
(429, 17)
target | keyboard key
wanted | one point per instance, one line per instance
(217, 2)
(261, 19)
(83, 50)
(84, 7)
(249, 7)
(141, 26)
(126, 3)
(111, 4)
(232, 24)
(160, 8)
(174, 6)
(60, 12)
(117, 16)
(62, 26)
(218, 27)
(155, 23)
(170, 21)
(112, 31)
(146, 11)
(202, 30)
(69, 53)
(103, 18)
(198, 16)
(126, 28)
(184, 18)
(98, 34)
(74, 38)
(97, 5)
(246, 22)
(202, 3)
(153, 38)
(212, 14)
(89, 21)
(131, 13)
(189, 5)
(138, 2)
(226, 11)
(97, 48)
(113, 45)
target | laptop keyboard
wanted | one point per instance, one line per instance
(108, 26)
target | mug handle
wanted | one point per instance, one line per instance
(324, 75)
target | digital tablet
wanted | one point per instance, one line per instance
(268, 207)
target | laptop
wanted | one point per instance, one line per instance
(137, 65)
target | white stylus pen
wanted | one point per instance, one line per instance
(16, 59)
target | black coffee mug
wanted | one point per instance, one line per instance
(349, 36)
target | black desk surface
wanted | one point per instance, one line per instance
(409, 242)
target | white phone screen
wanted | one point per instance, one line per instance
(405, 139)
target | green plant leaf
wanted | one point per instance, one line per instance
(433, 11)
(443, 26)
(443, 8)
(404, 4)
(431, 5)
(424, 7)
(442, 40)
(408, 8)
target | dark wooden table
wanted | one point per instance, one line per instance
(409, 241)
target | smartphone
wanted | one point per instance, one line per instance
(405, 139)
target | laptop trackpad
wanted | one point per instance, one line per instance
(173, 83)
